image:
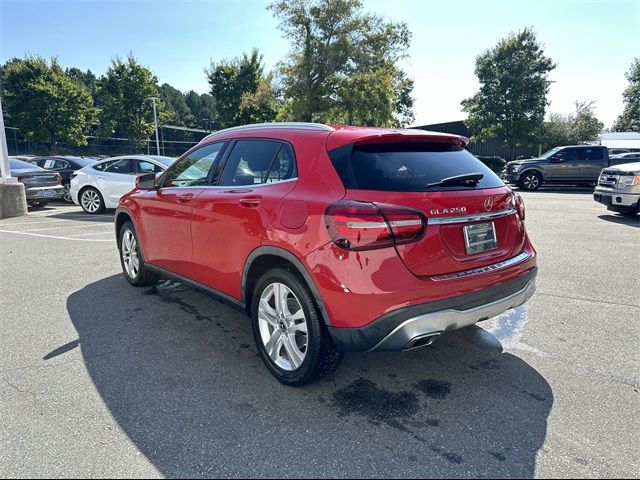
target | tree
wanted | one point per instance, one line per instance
(203, 109)
(343, 64)
(629, 120)
(513, 91)
(234, 83)
(86, 79)
(124, 93)
(44, 103)
(178, 112)
(582, 126)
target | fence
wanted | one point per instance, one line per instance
(173, 142)
(490, 148)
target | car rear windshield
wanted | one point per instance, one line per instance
(408, 167)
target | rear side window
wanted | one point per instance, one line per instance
(407, 167)
(250, 163)
(119, 166)
(590, 153)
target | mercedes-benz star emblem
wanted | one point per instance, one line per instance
(488, 204)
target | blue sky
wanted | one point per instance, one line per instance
(592, 41)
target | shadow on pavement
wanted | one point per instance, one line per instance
(81, 216)
(632, 221)
(180, 374)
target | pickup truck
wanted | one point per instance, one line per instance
(619, 188)
(570, 165)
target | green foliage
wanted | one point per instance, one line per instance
(342, 67)
(126, 107)
(582, 126)
(45, 103)
(629, 120)
(513, 91)
(242, 92)
(496, 164)
(178, 112)
(203, 110)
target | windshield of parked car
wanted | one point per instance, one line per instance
(549, 153)
(20, 165)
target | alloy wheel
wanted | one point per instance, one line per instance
(130, 258)
(283, 326)
(531, 182)
(90, 201)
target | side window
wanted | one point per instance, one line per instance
(284, 166)
(119, 166)
(144, 166)
(193, 170)
(586, 154)
(49, 164)
(568, 154)
(249, 162)
(61, 165)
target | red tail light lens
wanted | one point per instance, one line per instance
(58, 178)
(356, 225)
(519, 203)
(22, 178)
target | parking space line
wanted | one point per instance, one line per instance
(69, 226)
(56, 237)
(110, 232)
(31, 223)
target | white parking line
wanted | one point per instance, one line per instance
(8, 224)
(58, 238)
(110, 232)
(69, 226)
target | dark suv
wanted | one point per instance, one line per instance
(333, 238)
(572, 165)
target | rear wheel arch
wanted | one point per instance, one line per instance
(263, 259)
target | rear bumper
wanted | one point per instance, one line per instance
(416, 325)
(53, 192)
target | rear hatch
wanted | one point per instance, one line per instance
(471, 222)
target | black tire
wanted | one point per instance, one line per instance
(36, 204)
(98, 198)
(530, 180)
(321, 356)
(143, 276)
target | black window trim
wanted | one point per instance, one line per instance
(233, 142)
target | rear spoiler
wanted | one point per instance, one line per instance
(339, 139)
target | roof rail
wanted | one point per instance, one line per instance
(319, 127)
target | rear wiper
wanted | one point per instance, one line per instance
(470, 179)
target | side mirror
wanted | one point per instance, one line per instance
(146, 181)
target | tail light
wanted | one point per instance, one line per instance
(356, 225)
(22, 178)
(519, 204)
(58, 178)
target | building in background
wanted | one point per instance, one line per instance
(621, 140)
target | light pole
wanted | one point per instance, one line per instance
(155, 120)
(5, 170)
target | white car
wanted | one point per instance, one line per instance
(100, 185)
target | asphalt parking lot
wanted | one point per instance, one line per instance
(100, 379)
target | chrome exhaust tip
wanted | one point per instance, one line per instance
(422, 341)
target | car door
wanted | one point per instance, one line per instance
(563, 166)
(591, 160)
(165, 213)
(115, 180)
(230, 219)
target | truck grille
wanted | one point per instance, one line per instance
(608, 180)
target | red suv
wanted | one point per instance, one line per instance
(333, 239)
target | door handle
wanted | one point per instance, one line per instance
(185, 197)
(250, 202)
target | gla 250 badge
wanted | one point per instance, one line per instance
(448, 211)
